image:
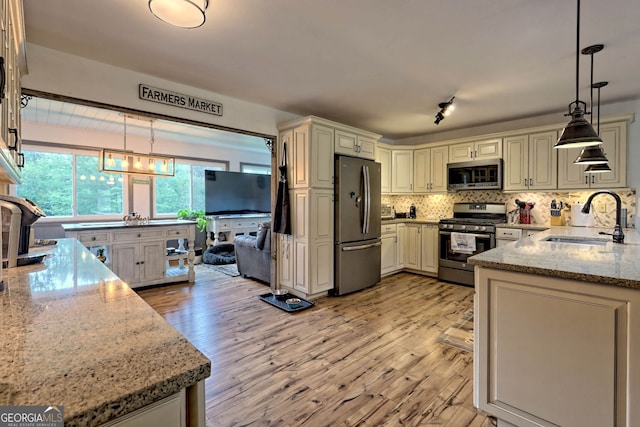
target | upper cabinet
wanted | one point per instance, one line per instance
(401, 171)
(383, 156)
(12, 67)
(430, 169)
(614, 143)
(355, 145)
(466, 151)
(530, 162)
(309, 155)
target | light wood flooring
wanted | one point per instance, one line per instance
(365, 359)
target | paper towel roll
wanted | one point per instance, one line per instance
(579, 219)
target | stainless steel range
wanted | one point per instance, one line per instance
(472, 230)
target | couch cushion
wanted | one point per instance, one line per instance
(263, 231)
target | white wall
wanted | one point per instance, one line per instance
(64, 74)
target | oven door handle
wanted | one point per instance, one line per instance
(484, 236)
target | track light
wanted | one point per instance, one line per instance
(445, 109)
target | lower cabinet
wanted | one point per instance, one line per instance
(389, 249)
(141, 255)
(421, 248)
(169, 412)
(550, 351)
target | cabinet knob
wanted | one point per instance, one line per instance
(93, 238)
(139, 235)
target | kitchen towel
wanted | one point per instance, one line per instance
(464, 243)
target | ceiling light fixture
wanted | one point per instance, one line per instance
(127, 162)
(445, 109)
(181, 13)
(600, 167)
(578, 132)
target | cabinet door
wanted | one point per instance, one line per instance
(125, 263)
(300, 155)
(401, 247)
(543, 161)
(366, 147)
(321, 267)
(460, 152)
(384, 158)
(413, 246)
(491, 149)
(614, 143)
(402, 171)
(429, 255)
(346, 143)
(285, 260)
(516, 167)
(321, 161)
(421, 170)
(152, 258)
(439, 160)
(388, 254)
(571, 175)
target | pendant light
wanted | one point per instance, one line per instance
(599, 167)
(578, 132)
(594, 154)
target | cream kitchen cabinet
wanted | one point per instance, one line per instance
(551, 351)
(383, 156)
(530, 162)
(389, 249)
(614, 143)
(421, 248)
(286, 261)
(355, 145)
(401, 171)
(478, 150)
(12, 53)
(429, 250)
(140, 255)
(430, 169)
(223, 228)
(402, 233)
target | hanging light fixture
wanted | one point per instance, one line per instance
(578, 132)
(594, 154)
(445, 109)
(127, 162)
(598, 167)
(181, 13)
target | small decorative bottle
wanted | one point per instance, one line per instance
(100, 255)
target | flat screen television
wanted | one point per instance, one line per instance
(230, 193)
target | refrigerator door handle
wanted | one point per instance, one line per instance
(357, 248)
(367, 200)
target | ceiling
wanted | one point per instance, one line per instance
(379, 65)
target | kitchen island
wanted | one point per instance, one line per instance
(75, 335)
(557, 330)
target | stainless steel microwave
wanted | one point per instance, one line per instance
(476, 175)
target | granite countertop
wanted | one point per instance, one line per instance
(75, 335)
(81, 226)
(610, 264)
(537, 227)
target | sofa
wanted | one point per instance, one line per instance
(253, 254)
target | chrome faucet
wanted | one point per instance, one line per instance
(618, 235)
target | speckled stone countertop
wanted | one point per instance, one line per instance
(74, 335)
(82, 226)
(411, 221)
(610, 264)
(537, 227)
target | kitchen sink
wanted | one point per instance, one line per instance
(576, 240)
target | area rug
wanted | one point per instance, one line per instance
(460, 335)
(228, 269)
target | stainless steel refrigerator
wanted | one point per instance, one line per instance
(357, 224)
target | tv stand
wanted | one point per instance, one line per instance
(223, 228)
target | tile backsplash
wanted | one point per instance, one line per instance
(441, 205)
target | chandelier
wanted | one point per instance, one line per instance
(128, 162)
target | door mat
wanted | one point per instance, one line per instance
(228, 269)
(460, 335)
(282, 305)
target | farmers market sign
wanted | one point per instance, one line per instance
(162, 96)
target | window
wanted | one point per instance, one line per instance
(185, 190)
(69, 184)
(254, 168)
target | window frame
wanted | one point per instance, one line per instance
(75, 151)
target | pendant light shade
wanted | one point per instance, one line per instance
(181, 13)
(591, 156)
(579, 132)
(599, 168)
